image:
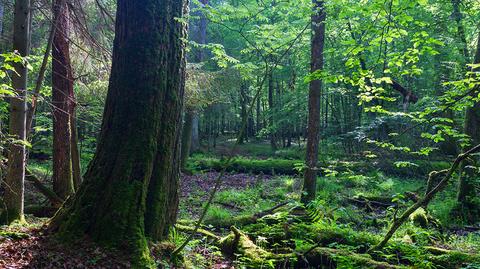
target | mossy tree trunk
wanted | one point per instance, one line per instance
(467, 191)
(313, 131)
(137, 150)
(14, 193)
(62, 103)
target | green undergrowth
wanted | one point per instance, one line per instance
(336, 224)
(283, 165)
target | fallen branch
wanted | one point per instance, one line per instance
(204, 232)
(248, 219)
(425, 200)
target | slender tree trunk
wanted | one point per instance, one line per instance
(76, 164)
(466, 190)
(2, 10)
(137, 154)
(313, 131)
(186, 138)
(202, 39)
(458, 16)
(243, 113)
(62, 92)
(14, 192)
(258, 116)
(271, 107)
(195, 145)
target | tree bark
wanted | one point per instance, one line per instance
(195, 144)
(466, 189)
(62, 103)
(137, 154)
(2, 9)
(15, 180)
(313, 131)
(186, 138)
(75, 152)
(243, 113)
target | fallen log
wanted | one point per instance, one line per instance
(331, 258)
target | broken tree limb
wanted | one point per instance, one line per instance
(425, 200)
(408, 95)
(185, 228)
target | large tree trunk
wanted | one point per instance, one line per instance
(62, 93)
(14, 192)
(137, 152)
(467, 190)
(313, 131)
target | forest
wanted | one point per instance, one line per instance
(240, 134)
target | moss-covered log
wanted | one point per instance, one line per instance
(138, 144)
(334, 258)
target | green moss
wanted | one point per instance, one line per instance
(419, 217)
(245, 165)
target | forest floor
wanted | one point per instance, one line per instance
(351, 213)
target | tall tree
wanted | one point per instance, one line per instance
(14, 192)
(190, 137)
(271, 107)
(2, 10)
(202, 39)
(62, 101)
(458, 16)
(130, 190)
(466, 190)
(314, 96)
